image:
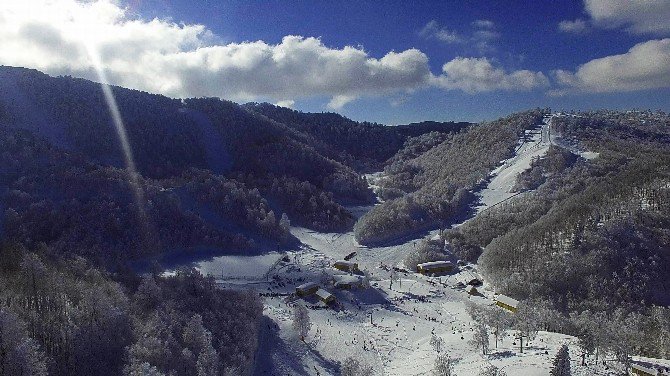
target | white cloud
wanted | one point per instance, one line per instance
(177, 60)
(637, 16)
(481, 37)
(483, 24)
(577, 26)
(435, 31)
(182, 60)
(645, 66)
(474, 75)
(288, 103)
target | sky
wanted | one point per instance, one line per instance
(391, 62)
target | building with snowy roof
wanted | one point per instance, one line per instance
(435, 267)
(348, 282)
(507, 303)
(306, 289)
(346, 266)
(325, 296)
(638, 369)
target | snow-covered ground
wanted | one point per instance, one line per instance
(404, 316)
(534, 144)
(388, 325)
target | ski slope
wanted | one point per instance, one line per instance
(404, 316)
(389, 325)
(534, 144)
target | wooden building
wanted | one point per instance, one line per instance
(637, 369)
(435, 267)
(507, 303)
(306, 289)
(346, 266)
(325, 296)
(348, 282)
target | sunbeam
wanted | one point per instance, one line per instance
(122, 134)
(119, 126)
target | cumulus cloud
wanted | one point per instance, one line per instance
(636, 16)
(577, 26)
(184, 60)
(288, 103)
(474, 75)
(178, 60)
(645, 66)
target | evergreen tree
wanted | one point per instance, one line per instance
(561, 364)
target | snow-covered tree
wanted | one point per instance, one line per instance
(148, 294)
(437, 343)
(301, 321)
(491, 370)
(561, 364)
(355, 367)
(19, 355)
(394, 278)
(285, 223)
(526, 323)
(443, 365)
(143, 369)
(208, 360)
(499, 321)
(480, 339)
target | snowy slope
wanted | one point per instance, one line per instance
(535, 144)
(403, 318)
(389, 325)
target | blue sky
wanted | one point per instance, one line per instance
(408, 61)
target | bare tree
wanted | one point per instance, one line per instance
(481, 338)
(443, 366)
(437, 343)
(491, 370)
(301, 321)
(355, 367)
(500, 321)
(526, 325)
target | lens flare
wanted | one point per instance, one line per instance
(119, 126)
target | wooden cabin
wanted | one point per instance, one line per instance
(346, 266)
(348, 282)
(306, 289)
(435, 267)
(325, 296)
(507, 303)
(637, 369)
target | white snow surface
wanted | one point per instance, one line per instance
(404, 316)
(534, 144)
(389, 325)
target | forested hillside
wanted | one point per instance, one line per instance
(364, 146)
(593, 240)
(214, 174)
(65, 317)
(430, 181)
